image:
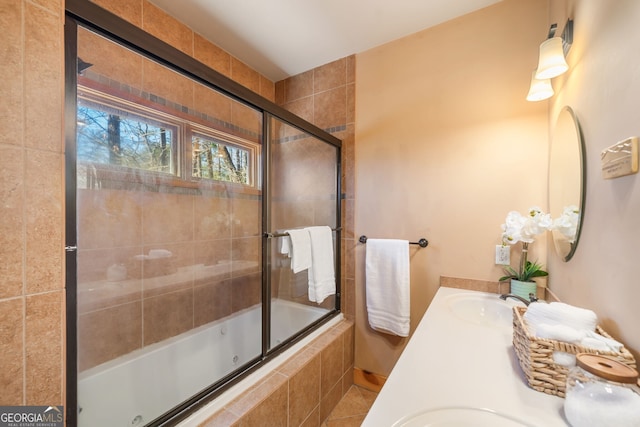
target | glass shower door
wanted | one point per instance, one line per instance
(303, 193)
(169, 262)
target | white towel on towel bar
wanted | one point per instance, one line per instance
(388, 285)
(322, 277)
(298, 247)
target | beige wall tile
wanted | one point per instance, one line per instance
(351, 69)
(348, 162)
(348, 207)
(313, 420)
(330, 400)
(11, 70)
(296, 362)
(167, 84)
(211, 55)
(106, 334)
(330, 76)
(12, 225)
(247, 217)
(246, 291)
(280, 88)
(109, 218)
(211, 302)
(243, 74)
(43, 79)
(349, 295)
(302, 107)
(169, 274)
(11, 351)
(212, 103)
(54, 6)
(44, 221)
(246, 249)
(274, 408)
(304, 392)
(298, 86)
(110, 59)
(351, 103)
(44, 348)
(288, 215)
(94, 263)
(246, 118)
(332, 358)
(165, 27)
(167, 218)
(330, 108)
(267, 88)
(212, 218)
(347, 380)
(129, 10)
(167, 315)
(211, 253)
(95, 289)
(348, 342)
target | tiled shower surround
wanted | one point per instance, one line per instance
(32, 300)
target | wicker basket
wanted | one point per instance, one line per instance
(536, 356)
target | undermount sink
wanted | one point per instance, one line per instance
(483, 309)
(460, 417)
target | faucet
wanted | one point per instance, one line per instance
(532, 298)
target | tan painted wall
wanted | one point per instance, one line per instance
(446, 145)
(603, 88)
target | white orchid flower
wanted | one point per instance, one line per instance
(520, 228)
(567, 223)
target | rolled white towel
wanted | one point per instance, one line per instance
(557, 313)
(599, 342)
(564, 359)
(559, 333)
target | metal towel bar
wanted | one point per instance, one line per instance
(423, 243)
(272, 235)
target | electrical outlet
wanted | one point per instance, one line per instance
(503, 255)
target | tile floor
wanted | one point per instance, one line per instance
(352, 409)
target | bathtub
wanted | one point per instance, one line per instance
(136, 388)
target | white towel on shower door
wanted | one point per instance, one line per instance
(298, 247)
(388, 286)
(322, 277)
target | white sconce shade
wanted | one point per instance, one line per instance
(551, 62)
(540, 89)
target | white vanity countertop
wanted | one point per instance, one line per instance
(452, 362)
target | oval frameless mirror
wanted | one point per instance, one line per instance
(567, 182)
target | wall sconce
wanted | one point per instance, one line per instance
(551, 62)
(540, 89)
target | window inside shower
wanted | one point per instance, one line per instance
(182, 192)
